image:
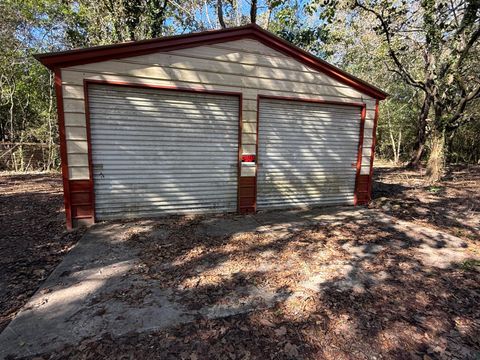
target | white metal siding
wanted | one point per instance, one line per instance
(157, 151)
(307, 153)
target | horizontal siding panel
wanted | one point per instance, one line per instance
(249, 127)
(214, 78)
(249, 149)
(73, 92)
(228, 53)
(266, 86)
(78, 173)
(369, 124)
(228, 60)
(248, 171)
(78, 159)
(366, 151)
(74, 105)
(177, 64)
(76, 133)
(75, 119)
(152, 167)
(77, 147)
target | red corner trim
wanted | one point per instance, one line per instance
(63, 147)
(359, 154)
(103, 53)
(240, 140)
(372, 158)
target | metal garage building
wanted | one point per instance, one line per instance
(220, 121)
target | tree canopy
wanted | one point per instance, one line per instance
(425, 53)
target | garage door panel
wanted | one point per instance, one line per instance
(170, 113)
(159, 152)
(307, 154)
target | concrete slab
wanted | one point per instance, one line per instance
(93, 291)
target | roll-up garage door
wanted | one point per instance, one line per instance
(156, 151)
(307, 153)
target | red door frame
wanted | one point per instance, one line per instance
(360, 105)
(88, 82)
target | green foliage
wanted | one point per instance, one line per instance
(415, 50)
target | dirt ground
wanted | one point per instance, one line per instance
(452, 205)
(33, 239)
(406, 308)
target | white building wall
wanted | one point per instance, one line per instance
(245, 66)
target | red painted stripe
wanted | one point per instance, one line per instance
(359, 155)
(239, 159)
(374, 141)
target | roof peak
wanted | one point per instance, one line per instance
(61, 59)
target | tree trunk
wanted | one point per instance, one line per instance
(419, 146)
(436, 159)
(253, 12)
(399, 142)
(220, 14)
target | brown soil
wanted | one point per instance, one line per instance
(407, 311)
(452, 204)
(33, 239)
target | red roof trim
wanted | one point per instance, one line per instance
(108, 52)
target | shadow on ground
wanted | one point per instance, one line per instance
(33, 239)
(452, 205)
(343, 283)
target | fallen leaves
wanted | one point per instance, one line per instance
(403, 310)
(33, 239)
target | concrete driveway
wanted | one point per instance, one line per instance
(100, 287)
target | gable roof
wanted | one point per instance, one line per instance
(61, 59)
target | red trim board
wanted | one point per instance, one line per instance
(63, 146)
(374, 143)
(358, 181)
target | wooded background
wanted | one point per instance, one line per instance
(424, 53)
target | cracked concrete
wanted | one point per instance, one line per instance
(92, 292)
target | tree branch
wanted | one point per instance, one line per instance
(402, 70)
(474, 94)
(220, 14)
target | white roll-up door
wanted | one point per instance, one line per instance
(307, 153)
(156, 151)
